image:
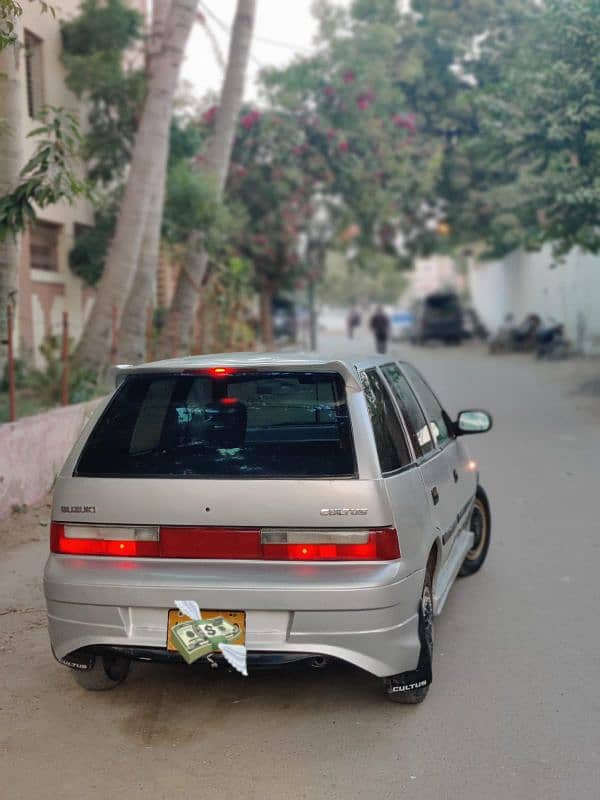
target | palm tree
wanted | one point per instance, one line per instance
(132, 335)
(189, 280)
(150, 145)
(11, 161)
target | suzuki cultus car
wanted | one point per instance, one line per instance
(324, 507)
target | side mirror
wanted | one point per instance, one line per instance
(472, 422)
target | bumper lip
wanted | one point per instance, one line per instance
(160, 655)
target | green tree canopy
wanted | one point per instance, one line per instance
(532, 172)
(95, 44)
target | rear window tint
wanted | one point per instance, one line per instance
(243, 425)
(389, 438)
(418, 428)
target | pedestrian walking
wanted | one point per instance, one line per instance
(354, 321)
(380, 325)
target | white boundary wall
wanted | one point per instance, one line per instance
(524, 283)
(32, 451)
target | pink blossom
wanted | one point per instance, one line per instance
(250, 119)
(209, 115)
(344, 146)
(348, 76)
(406, 121)
(329, 91)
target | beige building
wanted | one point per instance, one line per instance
(46, 286)
(433, 274)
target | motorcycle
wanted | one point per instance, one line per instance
(519, 339)
(551, 343)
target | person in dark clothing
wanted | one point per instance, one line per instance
(380, 325)
(354, 321)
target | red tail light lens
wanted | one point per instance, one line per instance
(238, 543)
(273, 544)
(96, 540)
(372, 545)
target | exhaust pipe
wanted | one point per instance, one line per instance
(319, 662)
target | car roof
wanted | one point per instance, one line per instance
(290, 361)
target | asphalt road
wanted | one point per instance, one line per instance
(514, 711)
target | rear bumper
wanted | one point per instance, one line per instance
(363, 614)
(442, 330)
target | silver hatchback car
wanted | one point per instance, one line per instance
(323, 507)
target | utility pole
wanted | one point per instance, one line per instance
(312, 315)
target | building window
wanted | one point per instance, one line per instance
(43, 246)
(34, 69)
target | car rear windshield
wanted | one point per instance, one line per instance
(235, 425)
(443, 304)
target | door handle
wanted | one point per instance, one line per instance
(435, 496)
(455, 475)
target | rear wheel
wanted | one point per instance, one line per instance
(481, 525)
(105, 673)
(397, 687)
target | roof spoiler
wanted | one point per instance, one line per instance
(350, 376)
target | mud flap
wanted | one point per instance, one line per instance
(416, 678)
(79, 659)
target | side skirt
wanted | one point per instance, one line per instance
(446, 576)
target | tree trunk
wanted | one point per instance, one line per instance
(266, 316)
(153, 131)
(134, 322)
(11, 162)
(185, 299)
(132, 335)
(188, 286)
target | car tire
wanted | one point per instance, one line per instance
(106, 672)
(415, 696)
(481, 525)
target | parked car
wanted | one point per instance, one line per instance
(283, 314)
(323, 507)
(437, 316)
(400, 325)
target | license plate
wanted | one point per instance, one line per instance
(233, 617)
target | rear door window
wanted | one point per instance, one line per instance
(389, 437)
(435, 414)
(443, 306)
(236, 425)
(417, 424)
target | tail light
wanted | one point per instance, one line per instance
(268, 544)
(350, 545)
(99, 540)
